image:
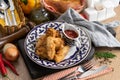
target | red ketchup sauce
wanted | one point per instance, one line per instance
(71, 33)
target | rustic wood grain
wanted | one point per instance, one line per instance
(115, 75)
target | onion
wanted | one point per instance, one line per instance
(10, 52)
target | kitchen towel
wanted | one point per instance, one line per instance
(98, 32)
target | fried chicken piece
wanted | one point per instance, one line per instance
(52, 32)
(60, 55)
(58, 34)
(41, 41)
(41, 52)
(50, 46)
(59, 43)
(40, 47)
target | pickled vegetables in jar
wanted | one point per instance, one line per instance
(41, 15)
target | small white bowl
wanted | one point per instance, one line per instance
(71, 34)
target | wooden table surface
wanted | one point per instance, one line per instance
(115, 75)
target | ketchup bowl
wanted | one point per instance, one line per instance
(71, 34)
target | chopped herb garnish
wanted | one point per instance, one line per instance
(104, 55)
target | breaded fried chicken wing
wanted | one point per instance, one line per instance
(59, 56)
(41, 41)
(41, 52)
(52, 32)
(59, 43)
(50, 46)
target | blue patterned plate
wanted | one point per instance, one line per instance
(74, 55)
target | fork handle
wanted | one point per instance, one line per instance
(64, 77)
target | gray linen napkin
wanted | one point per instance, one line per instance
(98, 32)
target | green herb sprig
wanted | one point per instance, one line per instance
(104, 55)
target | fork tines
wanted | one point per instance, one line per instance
(88, 65)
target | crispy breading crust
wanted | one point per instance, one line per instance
(51, 46)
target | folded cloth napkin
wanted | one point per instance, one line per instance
(58, 75)
(98, 32)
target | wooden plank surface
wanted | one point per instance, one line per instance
(115, 75)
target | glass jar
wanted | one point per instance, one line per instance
(40, 15)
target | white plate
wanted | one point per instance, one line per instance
(74, 55)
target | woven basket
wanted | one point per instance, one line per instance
(20, 17)
(12, 33)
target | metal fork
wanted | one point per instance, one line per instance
(81, 69)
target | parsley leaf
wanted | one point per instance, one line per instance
(104, 55)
